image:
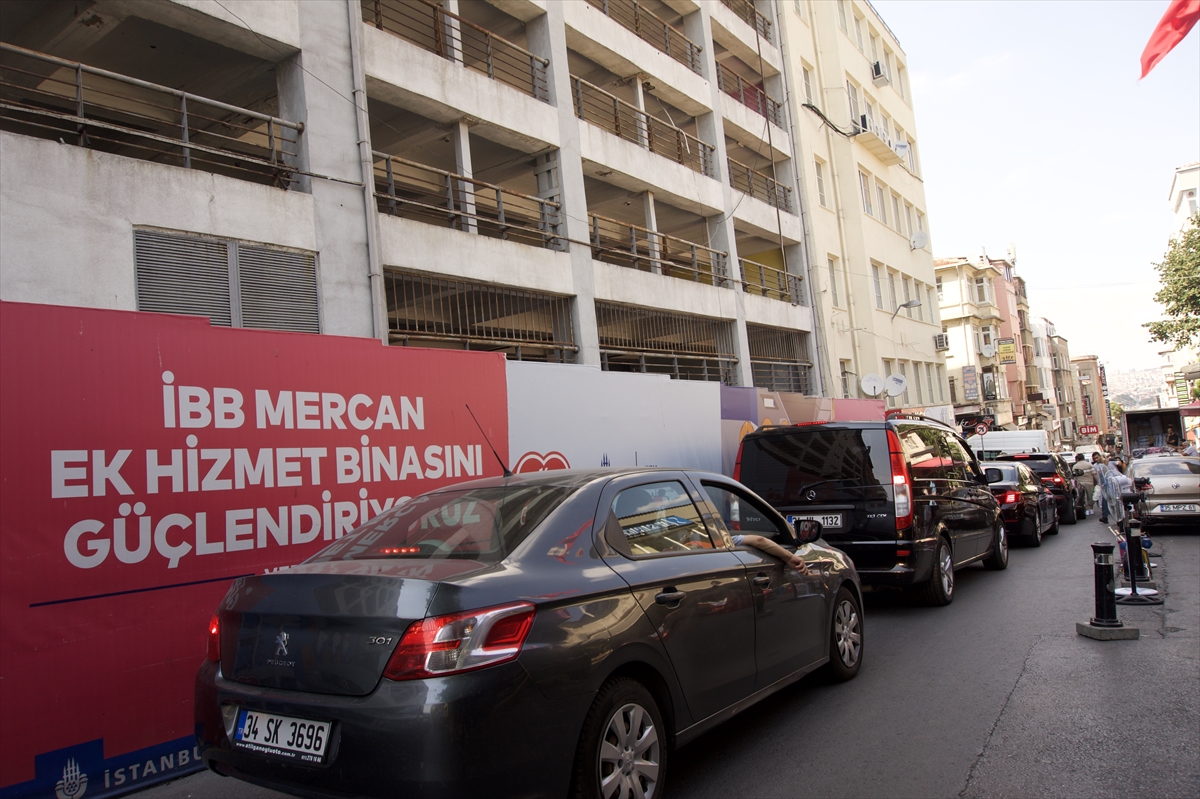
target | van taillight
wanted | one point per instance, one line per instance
(901, 482)
(737, 465)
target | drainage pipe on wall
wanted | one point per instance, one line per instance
(371, 217)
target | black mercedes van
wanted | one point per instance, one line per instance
(905, 498)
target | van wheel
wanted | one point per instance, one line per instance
(623, 747)
(940, 588)
(998, 560)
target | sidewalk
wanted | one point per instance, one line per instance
(1132, 706)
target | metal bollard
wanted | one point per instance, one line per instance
(1133, 549)
(1106, 600)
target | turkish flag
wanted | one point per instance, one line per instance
(1180, 17)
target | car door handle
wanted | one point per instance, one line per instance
(669, 597)
(762, 581)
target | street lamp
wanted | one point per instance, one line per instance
(909, 304)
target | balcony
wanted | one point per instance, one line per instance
(760, 186)
(457, 39)
(779, 359)
(629, 245)
(51, 98)
(623, 119)
(652, 29)
(749, 94)
(746, 11)
(879, 143)
(415, 191)
(686, 347)
(767, 281)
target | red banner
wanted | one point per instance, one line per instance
(145, 460)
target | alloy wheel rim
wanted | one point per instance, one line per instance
(1003, 538)
(630, 755)
(947, 570)
(846, 633)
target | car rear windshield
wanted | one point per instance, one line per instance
(834, 465)
(1164, 467)
(1040, 466)
(472, 524)
(1001, 474)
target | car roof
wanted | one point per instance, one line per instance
(873, 424)
(570, 478)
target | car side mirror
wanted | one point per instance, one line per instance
(807, 531)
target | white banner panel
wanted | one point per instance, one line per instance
(569, 416)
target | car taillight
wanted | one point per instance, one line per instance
(901, 483)
(1055, 479)
(214, 639)
(737, 464)
(1010, 497)
(458, 642)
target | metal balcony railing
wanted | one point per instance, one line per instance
(686, 347)
(748, 94)
(760, 186)
(767, 281)
(415, 191)
(652, 29)
(49, 97)
(746, 10)
(621, 243)
(435, 29)
(604, 110)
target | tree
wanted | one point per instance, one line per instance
(1117, 410)
(1179, 274)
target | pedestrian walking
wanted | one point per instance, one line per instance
(1099, 470)
(1087, 481)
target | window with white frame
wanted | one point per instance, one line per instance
(907, 286)
(874, 47)
(908, 209)
(897, 220)
(878, 283)
(864, 183)
(880, 195)
(920, 221)
(887, 62)
(933, 306)
(940, 292)
(833, 282)
(799, 5)
(916, 383)
(941, 381)
(987, 335)
(892, 288)
(912, 157)
(852, 96)
(885, 125)
(808, 92)
(983, 289)
(888, 370)
(929, 380)
(920, 308)
(820, 171)
(978, 339)
(901, 79)
(903, 367)
(858, 33)
(841, 8)
(845, 379)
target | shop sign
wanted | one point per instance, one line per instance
(1006, 350)
(970, 384)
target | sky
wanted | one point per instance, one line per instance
(1033, 129)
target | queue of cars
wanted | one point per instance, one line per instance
(561, 632)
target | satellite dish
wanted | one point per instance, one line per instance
(896, 385)
(919, 239)
(988, 350)
(872, 384)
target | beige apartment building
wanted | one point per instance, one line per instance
(867, 235)
(1093, 402)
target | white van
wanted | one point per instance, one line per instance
(1008, 442)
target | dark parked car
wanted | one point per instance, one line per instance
(904, 498)
(1028, 508)
(533, 635)
(1056, 475)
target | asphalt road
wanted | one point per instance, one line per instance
(994, 695)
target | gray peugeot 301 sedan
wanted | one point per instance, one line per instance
(536, 635)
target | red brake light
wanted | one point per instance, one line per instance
(458, 642)
(214, 639)
(737, 465)
(807, 424)
(1010, 497)
(901, 482)
(1020, 457)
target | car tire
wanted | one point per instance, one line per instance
(1080, 512)
(940, 588)
(1054, 526)
(845, 637)
(1069, 516)
(998, 560)
(1034, 539)
(626, 717)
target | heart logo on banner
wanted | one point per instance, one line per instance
(537, 462)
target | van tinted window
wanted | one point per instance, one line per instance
(924, 453)
(839, 465)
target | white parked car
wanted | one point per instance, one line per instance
(1176, 495)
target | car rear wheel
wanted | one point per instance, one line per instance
(1053, 529)
(623, 747)
(940, 588)
(999, 558)
(1067, 516)
(845, 637)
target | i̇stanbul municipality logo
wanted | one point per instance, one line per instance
(73, 782)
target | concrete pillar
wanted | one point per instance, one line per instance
(652, 225)
(547, 37)
(452, 33)
(697, 26)
(643, 124)
(460, 135)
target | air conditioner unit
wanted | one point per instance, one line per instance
(879, 75)
(941, 341)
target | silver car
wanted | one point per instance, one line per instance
(1176, 495)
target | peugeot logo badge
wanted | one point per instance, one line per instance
(811, 495)
(281, 642)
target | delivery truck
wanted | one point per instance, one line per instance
(1008, 442)
(1152, 427)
